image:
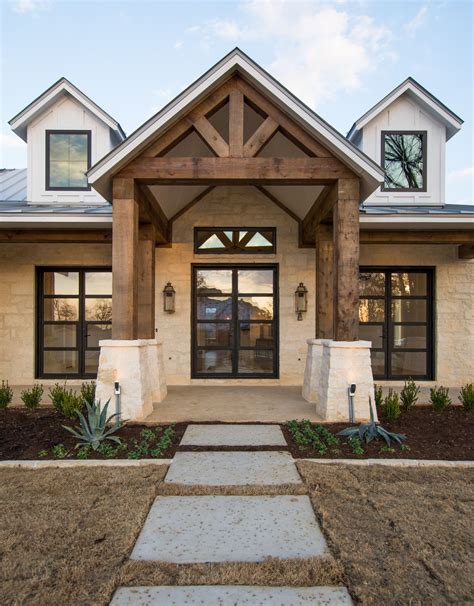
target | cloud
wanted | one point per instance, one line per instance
(414, 24)
(24, 7)
(318, 49)
(462, 173)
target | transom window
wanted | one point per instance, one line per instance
(68, 157)
(404, 160)
(234, 240)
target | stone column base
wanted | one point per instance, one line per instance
(331, 366)
(139, 368)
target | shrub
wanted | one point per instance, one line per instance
(391, 406)
(88, 392)
(32, 397)
(93, 430)
(439, 398)
(409, 394)
(370, 431)
(65, 401)
(466, 397)
(6, 394)
(378, 392)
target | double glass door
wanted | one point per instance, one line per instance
(235, 321)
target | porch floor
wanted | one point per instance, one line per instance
(242, 404)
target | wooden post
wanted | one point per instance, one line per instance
(125, 259)
(324, 282)
(236, 124)
(146, 281)
(346, 260)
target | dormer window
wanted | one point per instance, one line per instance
(404, 160)
(68, 157)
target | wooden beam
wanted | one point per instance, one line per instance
(125, 259)
(466, 251)
(346, 261)
(57, 236)
(260, 137)
(211, 137)
(320, 210)
(236, 124)
(155, 215)
(235, 170)
(386, 236)
(324, 282)
(146, 281)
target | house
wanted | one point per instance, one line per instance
(250, 243)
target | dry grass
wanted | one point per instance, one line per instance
(172, 489)
(65, 533)
(403, 535)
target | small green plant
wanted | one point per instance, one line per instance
(378, 393)
(466, 397)
(439, 398)
(150, 445)
(356, 444)
(59, 451)
(404, 447)
(386, 449)
(83, 451)
(409, 394)
(88, 392)
(66, 401)
(43, 453)
(6, 394)
(94, 430)
(311, 435)
(32, 397)
(391, 406)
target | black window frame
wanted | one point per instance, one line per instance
(424, 172)
(81, 323)
(235, 250)
(47, 158)
(387, 325)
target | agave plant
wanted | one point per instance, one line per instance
(94, 430)
(372, 431)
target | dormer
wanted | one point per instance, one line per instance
(66, 133)
(406, 133)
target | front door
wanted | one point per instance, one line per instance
(235, 321)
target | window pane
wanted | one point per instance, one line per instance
(214, 280)
(378, 362)
(91, 362)
(60, 335)
(409, 363)
(59, 174)
(255, 308)
(59, 147)
(61, 283)
(372, 333)
(214, 308)
(372, 284)
(213, 334)
(409, 337)
(98, 283)
(98, 332)
(99, 310)
(256, 335)
(256, 361)
(403, 161)
(406, 310)
(371, 310)
(408, 284)
(214, 361)
(78, 148)
(262, 240)
(77, 174)
(68, 160)
(210, 241)
(60, 362)
(255, 281)
(61, 309)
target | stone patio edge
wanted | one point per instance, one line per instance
(392, 462)
(35, 464)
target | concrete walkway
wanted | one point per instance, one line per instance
(228, 528)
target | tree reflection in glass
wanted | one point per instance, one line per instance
(403, 161)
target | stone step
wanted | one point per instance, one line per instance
(237, 595)
(229, 468)
(229, 529)
(233, 435)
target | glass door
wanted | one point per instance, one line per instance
(235, 321)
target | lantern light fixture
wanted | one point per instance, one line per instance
(169, 295)
(301, 300)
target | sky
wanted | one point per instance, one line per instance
(339, 57)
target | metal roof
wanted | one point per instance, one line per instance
(446, 209)
(12, 184)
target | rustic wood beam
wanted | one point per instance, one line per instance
(408, 236)
(324, 282)
(152, 212)
(260, 137)
(235, 170)
(236, 124)
(320, 210)
(346, 260)
(466, 251)
(211, 137)
(146, 281)
(125, 259)
(57, 236)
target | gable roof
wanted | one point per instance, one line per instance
(20, 122)
(12, 184)
(236, 62)
(412, 89)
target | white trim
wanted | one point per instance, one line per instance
(465, 221)
(77, 221)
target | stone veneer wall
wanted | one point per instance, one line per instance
(235, 207)
(18, 299)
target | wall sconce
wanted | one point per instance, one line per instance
(169, 294)
(301, 300)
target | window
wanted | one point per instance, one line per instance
(404, 160)
(74, 314)
(396, 315)
(234, 240)
(68, 157)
